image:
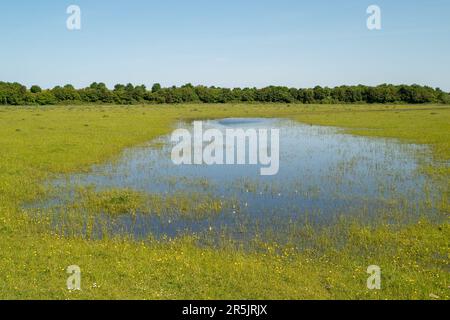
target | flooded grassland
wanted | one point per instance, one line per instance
(95, 186)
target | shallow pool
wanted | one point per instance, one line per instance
(323, 175)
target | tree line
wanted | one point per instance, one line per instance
(18, 94)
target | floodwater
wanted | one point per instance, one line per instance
(323, 174)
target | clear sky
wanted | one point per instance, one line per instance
(225, 43)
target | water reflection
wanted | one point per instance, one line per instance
(323, 174)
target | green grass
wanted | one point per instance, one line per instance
(40, 143)
(116, 202)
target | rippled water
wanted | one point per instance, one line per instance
(323, 174)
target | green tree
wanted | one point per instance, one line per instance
(46, 97)
(156, 87)
(35, 89)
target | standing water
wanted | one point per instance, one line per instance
(323, 175)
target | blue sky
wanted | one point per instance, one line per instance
(225, 43)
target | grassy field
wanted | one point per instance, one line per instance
(40, 143)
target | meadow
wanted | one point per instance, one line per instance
(41, 143)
